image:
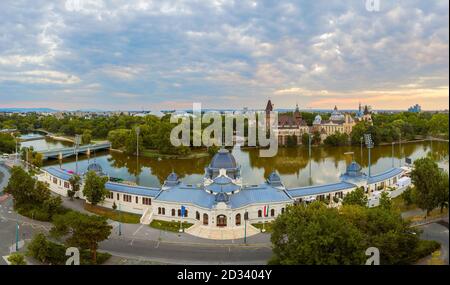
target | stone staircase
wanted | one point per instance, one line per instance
(231, 233)
(147, 217)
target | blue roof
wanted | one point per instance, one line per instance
(385, 175)
(132, 189)
(189, 195)
(261, 194)
(319, 190)
(59, 173)
(226, 188)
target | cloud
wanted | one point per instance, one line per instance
(228, 53)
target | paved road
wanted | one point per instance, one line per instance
(167, 248)
(438, 232)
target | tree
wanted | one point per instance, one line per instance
(39, 248)
(81, 230)
(17, 259)
(408, 196)
(385, 201)
(427, 179)
(86, 137)
(291, 141)
(356, 197)
(337, 139)
(7, 143)
(19, 185)
(305, 139)
(94, 188)
(385, 230)
(75, 183)
(316, 139)
(443, 191)
(335, 241)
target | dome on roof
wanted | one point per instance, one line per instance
(97, 168)
(354, 169)
(317, 120)
(172, 180)
(172, 177)
(274, 177)
(223, 159)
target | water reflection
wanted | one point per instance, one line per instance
(327, 164)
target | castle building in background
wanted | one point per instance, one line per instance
(292, 126)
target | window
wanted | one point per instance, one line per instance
(110, 195)
(146, 201)
(246, 216)
(173, 212)
(238, 219)
(137, 200)
(163, 211)
(282, 210)
(259, 213)
(55, 181)
(159, 211)
(66, 185)
(197, 215)
(205, 219)
(185, 213)
(127, 198)
(272, 212)
(118, 196)
(179, 212)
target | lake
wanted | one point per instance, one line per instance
(327, 163)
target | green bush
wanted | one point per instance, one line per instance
(17, 259)
(425, 248)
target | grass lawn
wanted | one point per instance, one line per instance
(267, 226)
(169, 226)
(399, 203)
(114, 215)
(436, 213)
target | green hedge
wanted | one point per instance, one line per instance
(425, 248)
(114, 215)
(169, 226)
(37, 213)
(49, 252)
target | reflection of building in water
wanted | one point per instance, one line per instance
(222, 200)
(292, 127)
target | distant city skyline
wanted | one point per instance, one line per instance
(225, 54)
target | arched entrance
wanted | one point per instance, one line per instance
(221, 221)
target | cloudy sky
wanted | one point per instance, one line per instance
(137, 54)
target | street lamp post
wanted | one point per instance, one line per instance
(393, 154)
(245, 227)
(309, 153)
(361, 140)
(138, 130)
(120, 221)
(77, 143)
(369, 144)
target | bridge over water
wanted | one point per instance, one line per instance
(70, 151)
